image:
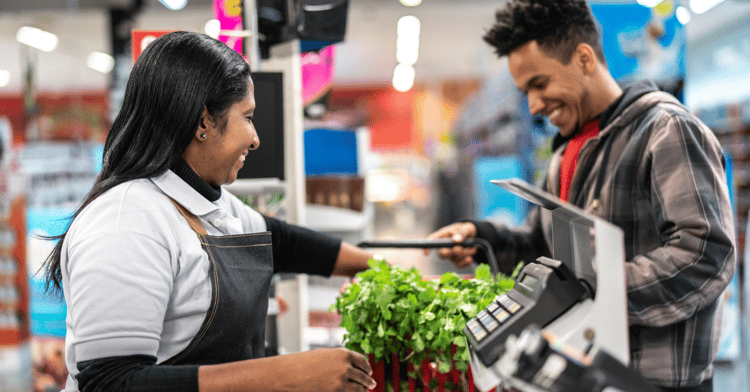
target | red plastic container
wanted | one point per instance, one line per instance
(428, 372)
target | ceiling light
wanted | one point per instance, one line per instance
(411, 3)
(174, 5)
(403, 77)
(701, 6)
(213, 28)
(407, 50)
(4, 77)
(101, 62)
(36, 38)
(408, 26)
(649, 3)
(683, 15)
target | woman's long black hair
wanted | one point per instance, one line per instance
(174, 79)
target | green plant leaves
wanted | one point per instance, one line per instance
(392, 310)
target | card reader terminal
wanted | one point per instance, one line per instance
(543, 290)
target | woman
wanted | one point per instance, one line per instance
(165, 275)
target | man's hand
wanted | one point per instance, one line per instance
(458, 232)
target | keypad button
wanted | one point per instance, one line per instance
(514, 308)
(506, 302)
(501, 315)
(490, 324)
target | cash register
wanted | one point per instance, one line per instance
(578, 296)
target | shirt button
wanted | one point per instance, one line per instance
(217, 222)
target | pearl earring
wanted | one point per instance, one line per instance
(203, 136)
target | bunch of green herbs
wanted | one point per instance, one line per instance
(393, 310)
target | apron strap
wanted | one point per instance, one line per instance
(192, 220)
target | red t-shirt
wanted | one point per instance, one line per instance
(570, 156)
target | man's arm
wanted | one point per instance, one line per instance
(691, 208)
(525, 243)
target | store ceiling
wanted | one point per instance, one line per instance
(448, 50)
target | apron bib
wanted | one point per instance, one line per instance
(240, 270)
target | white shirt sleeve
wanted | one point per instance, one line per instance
(119, 289)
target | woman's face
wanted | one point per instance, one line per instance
(218, 157)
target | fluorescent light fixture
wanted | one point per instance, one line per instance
(701, 6)
(407, 50)
(101, 62)
(36, 38)
(411, 3)
(213, 28)
(403, 77)
(683, 15)
(174, 5)
(649, 3)
(408, 26)
(4, 77)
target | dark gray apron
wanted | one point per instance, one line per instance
(240, 270)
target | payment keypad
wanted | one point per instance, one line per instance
(489, 319)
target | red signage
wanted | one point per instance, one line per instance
(141, 39)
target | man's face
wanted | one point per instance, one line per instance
(557, 91)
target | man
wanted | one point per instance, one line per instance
(637, 158)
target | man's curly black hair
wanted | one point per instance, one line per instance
(558, 26)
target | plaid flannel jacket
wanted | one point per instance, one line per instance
(658, 173)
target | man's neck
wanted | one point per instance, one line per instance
(605, 92)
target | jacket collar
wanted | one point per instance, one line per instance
(627, 116)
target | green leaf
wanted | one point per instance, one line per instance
(449, 278)
(429, 316)
(385, 297)
(418, 344)
(366, 346)
(444, 367)
(483, 272)
(379, 351)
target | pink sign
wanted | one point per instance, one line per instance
(229, 14)
(317, 73)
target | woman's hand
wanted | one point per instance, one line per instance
(458, 232)
(322, 370)
(335, 370)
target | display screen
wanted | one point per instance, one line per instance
(529, 281)
(267, 161)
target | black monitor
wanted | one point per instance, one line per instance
(264, 167)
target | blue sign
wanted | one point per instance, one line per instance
(495, 203)
(643, 43)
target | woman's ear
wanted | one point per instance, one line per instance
(204, 125)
